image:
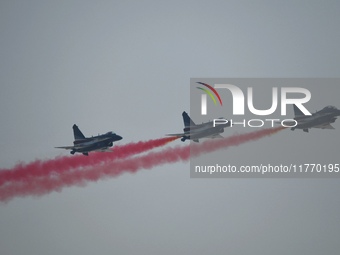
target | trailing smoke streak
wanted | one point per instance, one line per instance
(235, 140)
(80, 177)
(40, 168)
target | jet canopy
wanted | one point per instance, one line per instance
(330, 107)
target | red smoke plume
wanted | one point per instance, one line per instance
(62, 164)
(44, 184)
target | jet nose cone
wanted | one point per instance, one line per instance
(118, 137)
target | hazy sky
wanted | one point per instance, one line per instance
(126, 66)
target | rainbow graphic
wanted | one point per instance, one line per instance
(209, 90)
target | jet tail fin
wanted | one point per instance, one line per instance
(297, 111)
(77, 133)
(187, 121)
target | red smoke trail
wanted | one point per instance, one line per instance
(41, 186)
(41, 168)
(235, 140)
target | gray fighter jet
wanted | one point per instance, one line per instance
(321, 119)
(84, 144)
(194, 132)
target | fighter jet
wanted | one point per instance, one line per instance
(84, 144)
(195, 132)
(321, 119)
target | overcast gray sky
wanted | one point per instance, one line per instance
(126, 66)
